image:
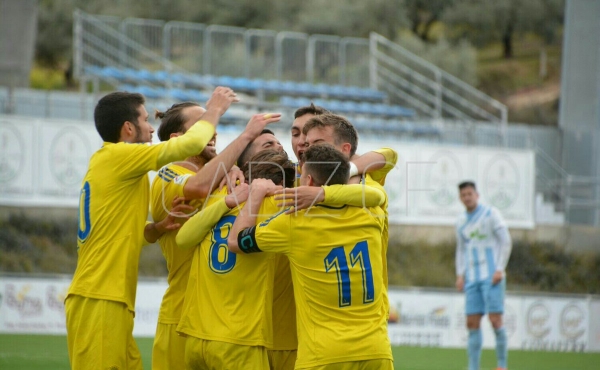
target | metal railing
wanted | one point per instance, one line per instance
(217, 50)
(413, 81)
(98, 43)
(570, 194)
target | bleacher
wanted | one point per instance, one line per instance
(373, 82)
(352, 100)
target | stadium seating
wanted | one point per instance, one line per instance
(348, 100)
(160, 92)
(350, 107)
(242, 84)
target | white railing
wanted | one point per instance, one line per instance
(415, 82)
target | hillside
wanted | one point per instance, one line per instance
(528, 83)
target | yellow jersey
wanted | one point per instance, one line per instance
(285, 335)
(229, 297)
(113, 209)
(284, 309)
(168, 185)
(336, 264)
(376, 179)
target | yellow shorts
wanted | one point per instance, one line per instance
(203, 354)
(100, 334)
(378, 364)
(168, 351)
(282, 360)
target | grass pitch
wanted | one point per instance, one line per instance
(48, 352)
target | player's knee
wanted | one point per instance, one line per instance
(496, 320)
(473, 322)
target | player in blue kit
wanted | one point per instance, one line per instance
(483, 247)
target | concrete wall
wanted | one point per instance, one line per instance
(579, 115)
(18, 28)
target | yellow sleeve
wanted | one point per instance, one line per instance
(358, 195)
(196, 228)
(188, 144)
(391, 157)
(167, 185)
(133, 160)
(274, 234)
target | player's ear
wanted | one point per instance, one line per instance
(127, 130)
(175, 134)
(347, 148)
(310, 180)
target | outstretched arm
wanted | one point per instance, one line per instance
(196, 138)
(175, 218)
(210, 176)
(377, 163)
(200, 224)
(303, 197)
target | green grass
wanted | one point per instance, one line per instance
(37, 352)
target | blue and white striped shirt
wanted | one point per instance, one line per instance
(483, 244)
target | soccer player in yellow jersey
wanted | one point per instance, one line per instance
(339, 132)
(375, 164)
(227, 307)
(225, 332)
(337, 272)
(193, 179)
(113, 208)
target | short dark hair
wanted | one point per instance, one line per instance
(310, 109)
(324, 162)
(467, 184)
(245, 155)
(273, 165)
(343, 130)
(113, 110)
(172, 120)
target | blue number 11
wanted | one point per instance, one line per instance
(336, 260)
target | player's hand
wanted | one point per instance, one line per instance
(460, 283)
(179, 213)
(232, 179)
(221, 99)
(238, 196)
(258, 122)
(497, 277)
(264, 186)
(300, 198)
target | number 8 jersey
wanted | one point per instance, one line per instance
(229, 297)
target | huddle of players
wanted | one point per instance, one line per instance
(224, 310)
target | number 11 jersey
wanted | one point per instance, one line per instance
(336, 263)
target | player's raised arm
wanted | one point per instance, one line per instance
(210, 176)
(196, 138)
(303, 197)
(377, 163)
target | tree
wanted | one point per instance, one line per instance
(484, 21)
(424, 14)
(352, 17)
